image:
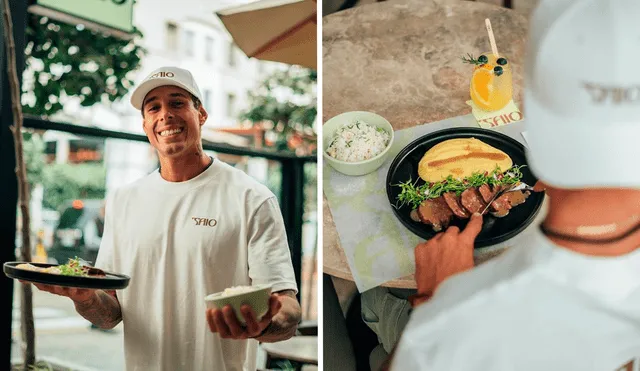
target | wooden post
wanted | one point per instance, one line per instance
(28, 331)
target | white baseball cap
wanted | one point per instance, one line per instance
(582, 93)
(165, 76)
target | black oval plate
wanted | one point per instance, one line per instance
(112, 281)
(494, 230)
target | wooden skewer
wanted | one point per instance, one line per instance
(492, 39)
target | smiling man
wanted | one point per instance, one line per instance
(193, 227)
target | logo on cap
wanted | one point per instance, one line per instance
(162, 74)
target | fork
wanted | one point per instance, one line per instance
(520, 187)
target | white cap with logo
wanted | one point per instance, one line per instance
(165, 76)
(582, 93)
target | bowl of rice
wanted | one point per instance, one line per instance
(257, 297)
(356, 143)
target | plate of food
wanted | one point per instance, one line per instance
(442, 178)
(75, 273)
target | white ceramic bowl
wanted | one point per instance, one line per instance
(257, 298)
(359, 167)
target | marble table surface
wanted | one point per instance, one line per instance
(402, 60)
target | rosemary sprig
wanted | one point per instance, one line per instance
(413, 195)
(471, 60)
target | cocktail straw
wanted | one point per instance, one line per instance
(492, 39)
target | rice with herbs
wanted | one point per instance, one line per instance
(358, 141)
(237, 290)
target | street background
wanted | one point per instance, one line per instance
(65, 338)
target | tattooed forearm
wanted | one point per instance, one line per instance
(285, 323)
(103, 310)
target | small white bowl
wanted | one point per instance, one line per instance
(359, 167)
(257, 298)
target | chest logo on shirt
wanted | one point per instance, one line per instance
(205, 222)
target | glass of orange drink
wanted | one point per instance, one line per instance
(491, 86)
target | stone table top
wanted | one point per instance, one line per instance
(402, 60)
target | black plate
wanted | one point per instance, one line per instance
(112, 281)
(494, 230)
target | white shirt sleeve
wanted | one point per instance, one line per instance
(269, 255)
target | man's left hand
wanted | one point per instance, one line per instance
(224, 321)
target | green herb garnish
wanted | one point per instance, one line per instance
(471, 60)
(413, 195)
(72, 268)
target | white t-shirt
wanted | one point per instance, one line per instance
(536, 307)
(179, 242)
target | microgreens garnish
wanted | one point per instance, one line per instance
(72, 268)
(413, 194)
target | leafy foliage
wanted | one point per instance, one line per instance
(67, 60)
(288, 100)
(63, 182)
(33, 150)
(64, 61)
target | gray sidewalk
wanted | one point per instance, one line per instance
(65, 338)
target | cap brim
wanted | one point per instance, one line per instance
(575, 155)
(137, 98)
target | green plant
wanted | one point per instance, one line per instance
(64, 60)
(64, 182)
(287, 99)
(33, 149)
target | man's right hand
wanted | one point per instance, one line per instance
(76, 294)
(99, 307)
(446, 254)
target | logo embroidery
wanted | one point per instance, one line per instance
(615, 94)
(205, 222)
(161, 74)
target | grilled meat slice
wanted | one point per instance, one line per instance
(435, 212)
(438, 212)
(517, 198)
(486, 192)
(454, 204)
(507, 201)
(472, 201)
(500, 207)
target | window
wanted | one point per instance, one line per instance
(208, 49)
(232, 54)
(231, 102)
(207, 98)
(171, 39)
(188, 43)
